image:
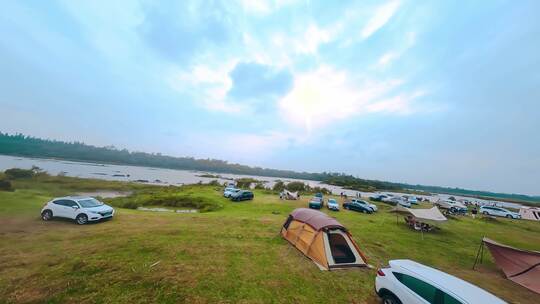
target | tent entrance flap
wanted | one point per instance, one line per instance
(340, 251)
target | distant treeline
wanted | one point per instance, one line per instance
(21, 145)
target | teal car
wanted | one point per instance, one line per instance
(316, 203)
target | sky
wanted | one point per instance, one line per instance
(425, 92)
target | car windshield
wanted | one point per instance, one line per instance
(89, 203)
(332, 201)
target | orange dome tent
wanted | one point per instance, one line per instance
(322, 239)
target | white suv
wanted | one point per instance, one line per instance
(81, 209)
(228, 192)
(408, 282)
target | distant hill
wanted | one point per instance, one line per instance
(22, 145)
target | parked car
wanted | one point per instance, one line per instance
(242, 195)
(316, 203)
(378, 197)
(409, 282)
(412, 200)
(396, 201)
(369, 205)
(230, 191)
(332, 204)
(453, 207)
(82, 209)
(357, 206)
(498, 211)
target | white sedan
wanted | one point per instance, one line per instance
(81, 209)
(498, 211)
(409, 282)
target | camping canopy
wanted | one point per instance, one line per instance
(323, 239)
(520, 266)
(289, 195)
(426, 215)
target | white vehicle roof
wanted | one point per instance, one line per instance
(456, 287)
(73, 198)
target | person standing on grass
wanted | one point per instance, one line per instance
(474, 211)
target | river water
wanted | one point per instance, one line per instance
(161, 176)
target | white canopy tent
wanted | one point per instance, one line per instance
(425, 215)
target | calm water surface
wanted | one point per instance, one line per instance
(167, 176)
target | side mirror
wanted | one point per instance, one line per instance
(75, 207)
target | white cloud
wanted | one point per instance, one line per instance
(390, 56)
(326, 95)
(387, 58)
(311, 39)
(207, 85)
(263, 7)
(381, 17)
(255, 147)
(257, 6)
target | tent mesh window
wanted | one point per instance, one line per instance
(341, 252)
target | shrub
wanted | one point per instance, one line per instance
(170, 197)
(279, 186)
(321, 190)
(16, 173)
(296, 186)
(5, 185)
(260, 186)
(130, 205)
(245, 183)
(214, 183)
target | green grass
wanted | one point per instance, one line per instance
(231, 255)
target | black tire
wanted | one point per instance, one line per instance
(46, 215)
(389, 299)
(509, 216)
(485, 213)
(81, 219)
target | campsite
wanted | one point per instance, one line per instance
(226, 253)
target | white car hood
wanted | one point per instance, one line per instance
(103, 208)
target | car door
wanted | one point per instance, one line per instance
(498, 212)
(419, 291)
(59, 208)
(71, 209)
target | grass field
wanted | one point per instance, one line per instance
(232, 255)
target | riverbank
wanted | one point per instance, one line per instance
(230, 255)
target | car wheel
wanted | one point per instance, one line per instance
(390, 299)
(485, 213)
(509, 216)
(46, 215)
(81, 219)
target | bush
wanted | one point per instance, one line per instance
(245, 183)
(321, 190)
(5, 185)
(296, 186)
(214, 183)
(279, 186)
(260, 186)
(173, 197)
(16, 173)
